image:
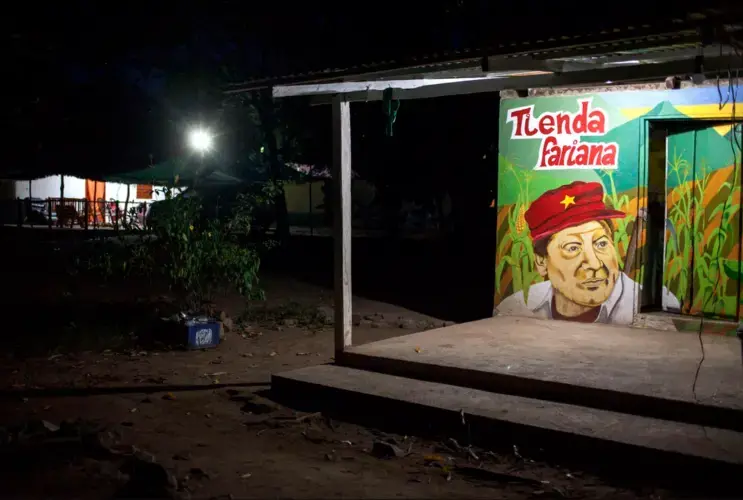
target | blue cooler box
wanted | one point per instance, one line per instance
(203, 335)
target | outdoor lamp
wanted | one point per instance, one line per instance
(200, 140)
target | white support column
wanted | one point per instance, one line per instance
(342, 222)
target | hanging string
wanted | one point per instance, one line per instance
(391, 107)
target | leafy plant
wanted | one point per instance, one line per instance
(194, 255)
(515, 248)
(703, 236)
(621, 226)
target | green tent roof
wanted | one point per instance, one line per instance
(166, 173)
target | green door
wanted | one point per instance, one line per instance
(702, 261)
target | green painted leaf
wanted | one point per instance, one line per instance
(733, 269)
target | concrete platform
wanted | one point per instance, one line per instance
(487, 418)
(634, 371)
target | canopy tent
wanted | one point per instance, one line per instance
(178, 171)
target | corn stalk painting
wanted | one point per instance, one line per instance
(515, 254)
(702, 233)
(622, 227)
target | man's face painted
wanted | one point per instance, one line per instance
(581, 263)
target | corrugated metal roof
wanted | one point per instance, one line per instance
(673, 33)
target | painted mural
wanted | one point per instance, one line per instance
(609, 202)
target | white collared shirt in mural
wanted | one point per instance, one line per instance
(619, 308)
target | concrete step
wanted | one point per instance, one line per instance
(605, 394)
(490, 419)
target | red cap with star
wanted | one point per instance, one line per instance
(567, 206)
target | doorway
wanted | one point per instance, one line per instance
(652, 286)
(693, 239)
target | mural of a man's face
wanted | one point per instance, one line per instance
(581, 263)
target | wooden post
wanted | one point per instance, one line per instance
(126, 207)
(117, 217)
(87, 212)
(342, 223)
(95, 204)
(29, 213)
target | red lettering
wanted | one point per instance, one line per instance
(597, 122)
(549, 144)
(521, 116)
(564, 154)
(579, 124)
(563, 124)
(595, 155)
(609, 158)
(546, 124)
(582, 157)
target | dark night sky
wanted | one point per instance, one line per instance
(98, 86)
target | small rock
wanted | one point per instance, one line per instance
(314, 436)
(197, 473)
(357, 319)
(387, 450)
(247, 354)
(272, 354)
(50, 427)
(406, 323)
(377, 324)
(365, 323)
(289, 322)
(182, 456)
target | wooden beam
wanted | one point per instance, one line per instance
(618, 74)
(342, 226)
(282, 91)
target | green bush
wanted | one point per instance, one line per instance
(195, 256)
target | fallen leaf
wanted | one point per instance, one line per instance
(273, 353)
(169, 396)
(246, 475)
(133, 410)
(418, 349)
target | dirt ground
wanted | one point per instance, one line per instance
(206, 420)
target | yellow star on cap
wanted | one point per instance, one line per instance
(569, 200)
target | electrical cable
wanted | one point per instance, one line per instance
(735, 145)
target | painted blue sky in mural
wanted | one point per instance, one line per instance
(690, 96)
